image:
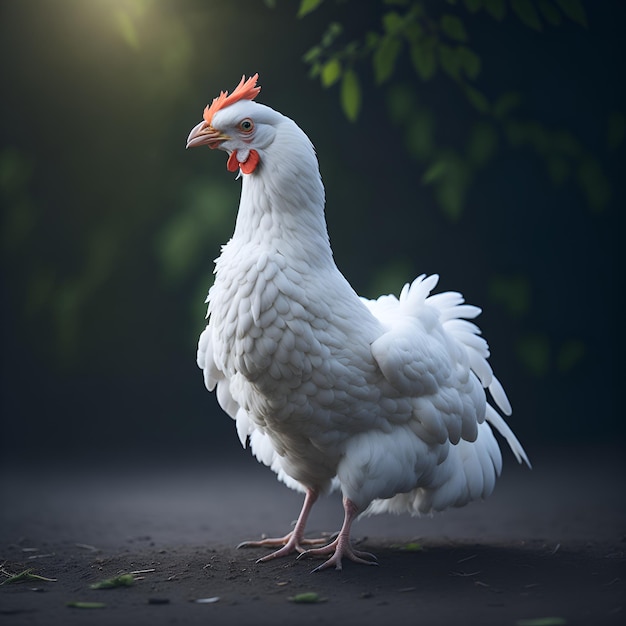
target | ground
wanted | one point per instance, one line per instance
(547, 548)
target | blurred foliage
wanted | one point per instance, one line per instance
(390, 277)
(436, 38)
(512, 292)
(534, 351)
(109, 228)
(192, 230)
(437, 41)
(127, 47)
(541, 357)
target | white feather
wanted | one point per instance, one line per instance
(385, 398)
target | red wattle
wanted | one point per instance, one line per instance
(251, 162)
(233, 164)
(247, 167)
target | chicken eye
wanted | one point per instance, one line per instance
(246, 125)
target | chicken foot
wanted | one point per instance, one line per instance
(292, 541)
(340, 547)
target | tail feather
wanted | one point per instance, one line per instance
(499, 396)
(494, 418)
(454, 314)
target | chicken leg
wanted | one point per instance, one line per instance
(341, 547)
(293, 541)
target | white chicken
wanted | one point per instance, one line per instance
(384, 399)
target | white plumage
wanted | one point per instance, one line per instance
(384, 399)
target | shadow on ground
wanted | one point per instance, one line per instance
(549, 544)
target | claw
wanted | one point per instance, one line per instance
(339, 549)
(338, 565)
(286, 545)
(291, 542)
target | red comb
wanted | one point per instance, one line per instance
(245, 90)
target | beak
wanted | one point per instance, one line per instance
(205, 135)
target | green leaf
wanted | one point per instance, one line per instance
(469, 61)
(312, 54)
(125, 580)
(351, 49)
(86, 605)
(451, 198)
(505, 104)
(423, 58)
(371, 40)
(26, 575)
(526, 12)
(308, 6)
(542, 621)
(549, 12)
(477, 99)
(495, 8)
(350, 95)
(511, 292)
(473, 5)
(316, 70)
(534, 352)
(571, 353)
(574, 10)
(392, 23)
(401, 102)
(331, 72)
(182, 237)
(412, 547)
(384, 58)
(332, 32)
(435, 172)
(419, 135)
(453, 27)
(412, 31)
(308, 597)
(451, 177)
(449, 59)
(482, 144)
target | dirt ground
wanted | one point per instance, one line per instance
(547, 548)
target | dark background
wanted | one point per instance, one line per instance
(109, 227)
